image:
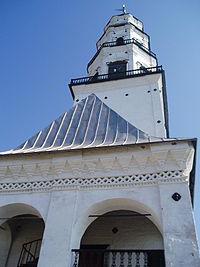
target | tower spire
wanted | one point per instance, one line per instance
(123, 9)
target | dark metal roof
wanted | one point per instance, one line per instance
(90, 123)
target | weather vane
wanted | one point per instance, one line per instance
(123, 9)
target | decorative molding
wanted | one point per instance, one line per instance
(106, 165)
(96, 182)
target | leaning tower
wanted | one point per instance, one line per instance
(103, 184)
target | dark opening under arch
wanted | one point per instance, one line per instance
(121, 238)
(120, 41)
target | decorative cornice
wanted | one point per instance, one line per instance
(96, 182)
(93, 165)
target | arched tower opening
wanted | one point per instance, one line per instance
(120, 41)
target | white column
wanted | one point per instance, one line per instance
(180, 241)
(55, 250)
(5, 242)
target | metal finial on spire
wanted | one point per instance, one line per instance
(123, 9)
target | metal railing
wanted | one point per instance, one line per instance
(128, 41)
(124, 42)
(30, 253)
(116, 76)
(117, 258)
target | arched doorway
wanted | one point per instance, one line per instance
(121, 238)
(22, 231)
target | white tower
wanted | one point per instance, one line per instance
(103, 185)
(130, 47)
(125, 75)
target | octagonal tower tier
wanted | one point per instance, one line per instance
(123, 46)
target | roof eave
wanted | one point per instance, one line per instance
(171, 140)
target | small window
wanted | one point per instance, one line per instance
(117, 69)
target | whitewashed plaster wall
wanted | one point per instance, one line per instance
(133, 30)
(112, 34)
(142, 91)
(127, 32)
(127, 17)
(129, 52)
(178, 227)
(137, 178)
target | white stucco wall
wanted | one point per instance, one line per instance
(124, 17)
(180, 244)
(129, 52)
(128, 30)
(145, 91)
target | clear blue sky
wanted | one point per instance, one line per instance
(44, 43)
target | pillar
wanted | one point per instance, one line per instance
(55, 250)
(180, 241)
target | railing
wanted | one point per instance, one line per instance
(117, 258)
(128, 41)
(116, 76)
(30, 253)
(124, 42)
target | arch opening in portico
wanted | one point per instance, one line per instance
(120, 236)
(21, 232)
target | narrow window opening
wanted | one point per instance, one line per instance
(117, 69)
(120, 41)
